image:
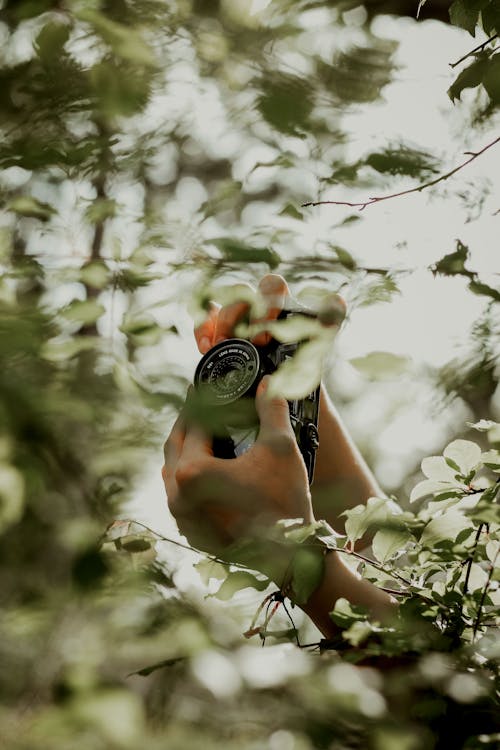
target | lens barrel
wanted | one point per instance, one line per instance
(228, 372)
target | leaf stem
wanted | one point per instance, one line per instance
(377, 199)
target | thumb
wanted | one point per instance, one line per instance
(274, 415)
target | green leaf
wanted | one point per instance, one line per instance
(286, 103)
(402, 161)
(362, 517)
(307, 572)
(381, 365)
(31, 207)
(235, 251)
(291, 210)
(344, 257)
(477, 287)
(51, 40)
(83, 311)
(125, 41)
(238, 580)
(465, 13)
(465, 454)
(491, 78)
(387, 542)
(452, 263)
(345, 614)
(468, 78)
(490, 17)
(444, 527)
(301, 375)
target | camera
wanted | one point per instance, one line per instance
(227, 378)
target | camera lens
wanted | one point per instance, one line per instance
(228, 371)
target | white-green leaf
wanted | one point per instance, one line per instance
(464, 453)
(447, 526)
(433, 487)
(484, 425)
(381, 365)
(491, 459)
(387, 542)
(435, 467)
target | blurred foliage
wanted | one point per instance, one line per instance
(101, 149)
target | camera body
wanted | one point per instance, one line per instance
(227, 378)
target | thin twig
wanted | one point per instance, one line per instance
(470, 559)
(212, 558)
(483, 597)
(377, 199)
(473, 51)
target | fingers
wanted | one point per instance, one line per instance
(274, 416)
(195, 456)
(205, 333)
(228, 318)
(274, 291)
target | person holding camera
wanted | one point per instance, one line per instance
(219, 503)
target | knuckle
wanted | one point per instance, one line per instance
(187, 472)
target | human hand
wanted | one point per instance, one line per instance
(275, 295)
(219, 504)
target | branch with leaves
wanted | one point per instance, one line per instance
(378, 199)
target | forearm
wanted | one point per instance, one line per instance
(339, 581)
(342, 478)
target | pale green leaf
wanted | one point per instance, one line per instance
(95, 274)
(484, 425)
(208, 569)
(237, 580)
(381, 365)
(435, 467)
(478, 577)
(28, 206)
(387, 542)
(491, 459)
(11, 496)
(465, 454)
(444, 527)
(84, 311)
(433, 487)
(125, 41)
(299, 376)
(307, 572)
(357, 633)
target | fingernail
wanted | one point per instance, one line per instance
(205, 344)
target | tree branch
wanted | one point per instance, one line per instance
(473, 51)
(377, 199)
(483, 597)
